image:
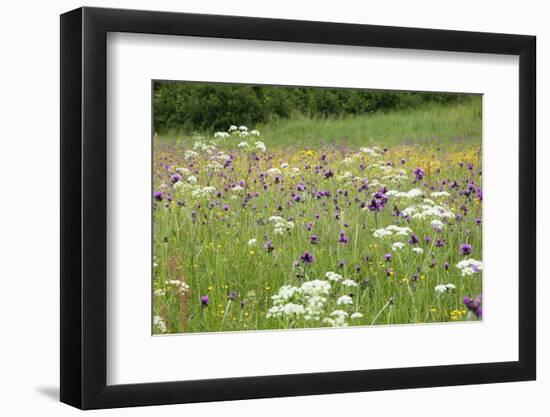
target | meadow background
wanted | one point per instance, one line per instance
(244, 235)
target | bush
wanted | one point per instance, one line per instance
(207, 107)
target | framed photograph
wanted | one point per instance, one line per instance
(257, 208)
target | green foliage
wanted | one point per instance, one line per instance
(207, 107)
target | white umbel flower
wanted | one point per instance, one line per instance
(469, 267)
(397, 245)
(333, 276)
(260, 146)
(344, 300)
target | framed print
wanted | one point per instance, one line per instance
(257, 208)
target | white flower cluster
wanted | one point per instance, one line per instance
(199, 192)
(310, 300)
(344, 300)
(183, 170)
(214, 166)
(368, 151)
(181, 186)
(311, 294)
(437, 225)
(469, 267)
(203, 147)
(222, 157)
(427, 211)
(159, 324)
(241, 131)
(179, 285)
(436, 194)
(337, 318)
(273, 171)
(189, 154)
(397, 245)
(221, 135)
(442, 288)
(260, 146)
(280, 225)
(397, 177)
(413, 193)
(417, 250)
(349, 283)
(161, 292)
(392, 230)
(315, 287)
(345, 176)
(333, 276)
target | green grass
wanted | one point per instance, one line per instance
(447, 124)
(203, 240)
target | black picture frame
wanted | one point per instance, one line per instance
(84, 207)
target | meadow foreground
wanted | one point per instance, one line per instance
(249, 236)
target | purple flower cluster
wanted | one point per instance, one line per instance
(474, 305)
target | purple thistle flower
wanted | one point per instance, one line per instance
(341, 264)
(357, 268)
(175, 178)
(329, 174)
(205, 300)
(158, 195)
(309, 226)
(474, 305)
(307, 258)
(446, 266)
(225, 207)
(413, 239)
(314, 239)
(387, 256)
(343, 238)
(439, 243)
(478, 221)
(268, 246)
(374, 205)
(418, 173)
(465, 249)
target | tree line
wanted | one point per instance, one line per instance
(203, 107)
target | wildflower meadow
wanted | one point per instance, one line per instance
(305, 222)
